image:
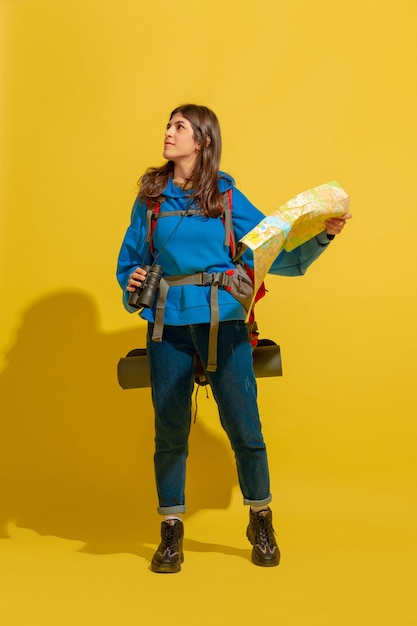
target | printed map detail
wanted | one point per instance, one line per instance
(294, 223)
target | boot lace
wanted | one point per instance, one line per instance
(170, 537)
(263, 532)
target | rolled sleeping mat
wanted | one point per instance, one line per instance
(267, 359)
(133, 370)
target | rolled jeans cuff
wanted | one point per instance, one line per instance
(263, 502)
(169, 510)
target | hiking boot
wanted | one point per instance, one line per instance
(169, 555)
(261, 534)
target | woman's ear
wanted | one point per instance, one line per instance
(198, 144)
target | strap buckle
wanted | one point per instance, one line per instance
(222, 279)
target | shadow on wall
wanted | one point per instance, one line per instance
(76, 451)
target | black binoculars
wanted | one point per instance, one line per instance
(144, 296)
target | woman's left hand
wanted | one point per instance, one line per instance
(335, 225)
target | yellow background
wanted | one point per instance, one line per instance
(306, 92)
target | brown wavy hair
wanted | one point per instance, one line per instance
(205, 191)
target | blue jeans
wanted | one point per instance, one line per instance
(172, 365)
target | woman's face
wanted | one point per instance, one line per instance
(180, 144)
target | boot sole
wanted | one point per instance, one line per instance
(265, 563)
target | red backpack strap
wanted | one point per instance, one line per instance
(152, 211)
(229, 235)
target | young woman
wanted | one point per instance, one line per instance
(188, 191)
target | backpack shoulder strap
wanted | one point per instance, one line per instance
(152, 210)
(229, 233)
(154, 213)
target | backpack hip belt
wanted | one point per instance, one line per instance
(235, 281)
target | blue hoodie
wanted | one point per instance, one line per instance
(195, 243)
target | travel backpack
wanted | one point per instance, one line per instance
(238, 281)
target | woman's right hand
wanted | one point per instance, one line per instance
(136, 279)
